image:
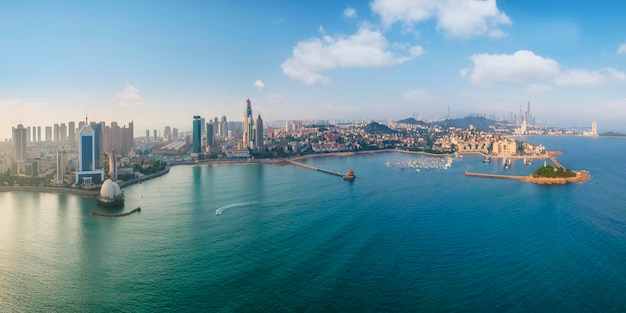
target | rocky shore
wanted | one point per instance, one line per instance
(580, 177)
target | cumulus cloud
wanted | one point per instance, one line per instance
(621, 49)
(520, 66)
(539, 89)
(349, 12)
(613, 73)
(129, 96)
(457, 18)
(366, 48)
(418, 96)
(259, 84)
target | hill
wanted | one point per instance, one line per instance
(411, 121)
(376, 128)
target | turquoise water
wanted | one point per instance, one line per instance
(291, 239)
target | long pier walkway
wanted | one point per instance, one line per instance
(551, 157)
(315, 168)
(511, 177)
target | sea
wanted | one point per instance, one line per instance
(269, 238)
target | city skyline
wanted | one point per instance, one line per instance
(146, 61)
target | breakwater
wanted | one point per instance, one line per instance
(510, 177)
(138, 209)
(315, 168)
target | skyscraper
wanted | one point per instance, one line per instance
(594, 128)
(20, 137)
(88, 151)
(147, 135)
(61, 164)
(63, 131)
(259, 133)
(174, 133)
(48, 133)
(248, 127)
(167, 134)
(71, 128)
(57, 133)
(197, 134)
(209, 135)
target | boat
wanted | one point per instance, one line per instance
(486, 159)
(507, 162)
(528, 161)
(350, 175)
(388, 164)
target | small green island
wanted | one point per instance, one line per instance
(548, 171)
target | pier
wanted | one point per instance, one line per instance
(316, 168)
(510, 177)
(138, 209)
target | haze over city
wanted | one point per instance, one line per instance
(159, 63)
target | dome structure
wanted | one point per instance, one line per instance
(111, 194)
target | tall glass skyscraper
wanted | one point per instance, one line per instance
(196, 146)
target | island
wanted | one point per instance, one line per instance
(548, 174)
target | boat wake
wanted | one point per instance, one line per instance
(220, 210)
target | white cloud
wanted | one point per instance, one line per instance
(366, 48)
(129, 96)
(621, 49)
(259, 85)
(521, 66)
(577, 77)
(321, 30)
(540, 89)
(349, 12)
(457, 18)
(418, 96)
(15, 103)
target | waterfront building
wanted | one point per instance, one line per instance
(209, 135)
(224, 127)
(504, 147)
(248, 127)
(594, 128)
(20, 137)
(197, 133)
(111, 194)
(259, 133)
(61, 164)
(87, 172)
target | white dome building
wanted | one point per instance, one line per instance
(111, 194)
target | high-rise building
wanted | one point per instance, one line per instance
(155, 136)
(224, 127)
(248, 126)
(174, 134)
(147, 135)
(202, 125)
(57, 133)
(63, 131)
(88, 151)
(20, 138)
(259, 133)
(34, 133)
(196, 144)
(528, 116)
(61, 164)
(97, 135)
(594, 128)
(71, 128)
(209, 135)
(48, 134)
(167, 134)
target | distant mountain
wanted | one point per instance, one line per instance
(479, 123)
(411, 121)
(375, 128)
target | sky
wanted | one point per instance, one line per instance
(159, 63)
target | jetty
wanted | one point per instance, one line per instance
(510, 177)
(323, 170)
(138, 209)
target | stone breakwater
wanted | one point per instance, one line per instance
(115, 215)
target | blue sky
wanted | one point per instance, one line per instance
(161, 62)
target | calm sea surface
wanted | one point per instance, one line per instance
(289, 239)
